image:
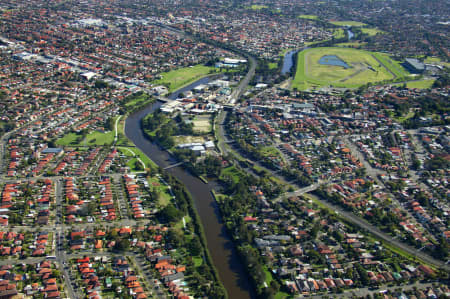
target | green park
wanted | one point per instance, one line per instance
(344, 68)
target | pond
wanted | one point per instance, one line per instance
(333, 60)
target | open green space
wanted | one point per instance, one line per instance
(405, 117)
(273, 65)
(371, 31)
(347, 23)
(282, 295)
(232, 172)
(161, 190)
(68, 139)
(96, 137)
(135, 152)
(423, 84)
(93, 138)
(257, 7)
(137, 100)
(180, 77)
(180, 224)
(99, 138)
(202, 124)
(393, 65)
(339, 33)
(308, 17)
(198, 261)
(436, 60)
(363, 67)
(355, 44)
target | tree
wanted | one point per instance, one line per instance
(195, 247)
(122, 245)
(170, 213)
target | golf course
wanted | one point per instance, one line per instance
(343, 67)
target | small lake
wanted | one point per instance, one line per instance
(333, 60)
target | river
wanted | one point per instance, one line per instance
(288, 61)
(223, 252)
(350, 34)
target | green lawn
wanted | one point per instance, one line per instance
(184, 76)
(363, 68)
(308, 17)
(68, 139)
(371, 31)
(93, 138)
(273, 65)
(164, 195)
(133, 151)
(436, 60)
(271, 151)
(136, 100)
(347, 23)
(282, 295)
(393, 65)
(269, 277)
(233, 172)
(352, 44)
(98, 138)
(257, 7)
(180, 224)
(339, 33)
(423, 84)
(198, 261)
(405, 117)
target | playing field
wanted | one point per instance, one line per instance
(180, 77)
(202, 124)
(347, 23)
(341, 67)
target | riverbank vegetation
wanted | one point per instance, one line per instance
(201, 274)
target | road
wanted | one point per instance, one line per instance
(381, 235)
(347, 215)
(58, 240)
(223, 148)
(298, 192)
(363, 292)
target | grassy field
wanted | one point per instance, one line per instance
(352, 44)
(308, 17)
(137, 100)
(392, 65)
(436, 60)
(371, 31)
(180, 77)
(202, 124)
(273, 65)
(257, 7)
(68, 139)
(93, 138)
(135, 152)
(423, 84)
(363, 68)
(98, 138)
(347, 23)
(339, 33)
(233, 173)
